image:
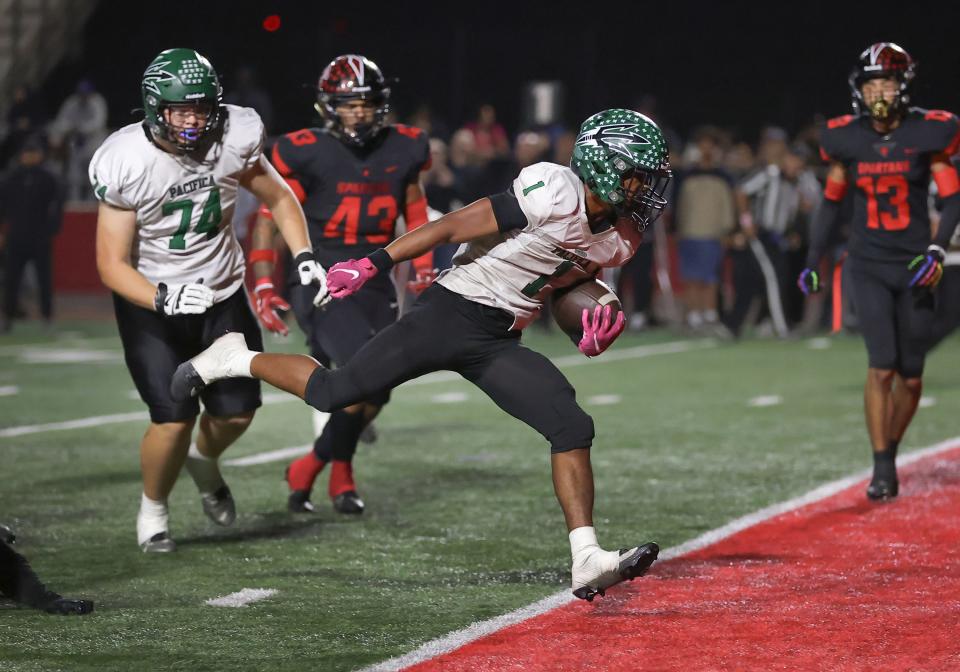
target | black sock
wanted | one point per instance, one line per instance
(339, 437)
(892, 447)
(885, 464)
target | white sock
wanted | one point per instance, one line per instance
(710, 316)
(153, 517)
(582, 539)
(239, 364)
(204, 471)
(694, 318)
(584, 548)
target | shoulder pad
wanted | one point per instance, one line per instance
(547, 191)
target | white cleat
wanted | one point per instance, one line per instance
(599, 570)
(220, 507)
(223, 359)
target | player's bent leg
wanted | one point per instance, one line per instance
(162, 454)
(528, 386)
(215, 436)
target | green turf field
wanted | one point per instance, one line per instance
(461, 522)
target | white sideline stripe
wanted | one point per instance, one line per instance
(242, 598)
(269, 456)
(9, 390)
(455, 640)
(436, 377)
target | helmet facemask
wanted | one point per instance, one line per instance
(359, 134)
(641, 196)
(182, 137)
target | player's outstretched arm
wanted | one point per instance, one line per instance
(473, 221)
(822, 227)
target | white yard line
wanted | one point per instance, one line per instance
(455, 640)
(270, 398)
(242, 598)
(268, 456)
(765, 400)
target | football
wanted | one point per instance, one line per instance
(567, 305)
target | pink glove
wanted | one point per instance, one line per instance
(599, 333)
(346, 277)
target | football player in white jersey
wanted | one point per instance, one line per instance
(165, 247)
(556, 226)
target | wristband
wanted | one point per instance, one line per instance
(381, 259)
(160, 297)
(262, 255)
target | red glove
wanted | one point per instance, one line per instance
(346, 277)
(268, 302)
(423, 280)
(601, 330)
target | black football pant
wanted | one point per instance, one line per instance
(896, 320)
(445, 331)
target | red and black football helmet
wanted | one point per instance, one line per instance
(353, 77)
(883, 59)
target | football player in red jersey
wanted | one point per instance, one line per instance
(889, 152)
(354, 177)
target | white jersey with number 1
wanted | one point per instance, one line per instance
(517, 270)
(184, 206)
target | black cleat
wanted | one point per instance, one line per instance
(65, 607)
(299, 502)
(633, 563)
(348, 502)
(883, 489)
(186, 383)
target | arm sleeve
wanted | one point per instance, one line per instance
(507, 211)
(820, 229)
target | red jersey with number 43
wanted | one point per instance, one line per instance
(890, 175)
(351, 197)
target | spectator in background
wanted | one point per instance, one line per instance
(776, 203)
(440, 187)
(31, 206)
(739, 161)
(563, 147)
(704, 215)
(247, 92)
(531, 147)
(489, 139)
(465, 165)
(423, 117)
(77, 131)
(26, 116)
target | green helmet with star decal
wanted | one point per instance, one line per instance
(180, 77)
(622, 157)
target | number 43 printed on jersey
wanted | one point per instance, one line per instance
(209, 223)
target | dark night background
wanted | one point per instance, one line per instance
(737, 64)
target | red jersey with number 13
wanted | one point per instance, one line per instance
(351, 196)
(890, 175)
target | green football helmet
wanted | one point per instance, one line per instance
(622, 157)
(180, 77)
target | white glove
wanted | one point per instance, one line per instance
(189, 299)
(312, 273)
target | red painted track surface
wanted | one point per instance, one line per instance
(841, 584)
